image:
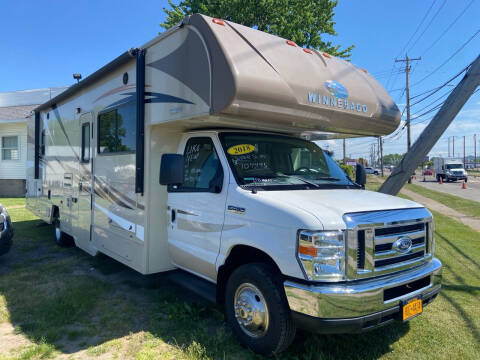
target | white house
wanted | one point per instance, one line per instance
(15, 108)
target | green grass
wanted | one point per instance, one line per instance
(66, 303)
(12, 202)
(465, 206)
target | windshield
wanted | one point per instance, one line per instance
(268, 162)
(454, 166)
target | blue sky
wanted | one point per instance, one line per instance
(44, 42)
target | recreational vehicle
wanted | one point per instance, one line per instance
(196, 153)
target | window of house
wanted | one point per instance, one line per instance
(86, 142)
(10, 150)
(117, 130)
(203, 170)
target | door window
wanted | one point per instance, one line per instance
(203, 170)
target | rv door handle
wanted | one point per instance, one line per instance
(174, 214)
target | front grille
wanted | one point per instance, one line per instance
(386, 257)
(398, 259)
(372, 241)
(361, 250)
(398, 229)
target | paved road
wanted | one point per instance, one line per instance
(472, 192)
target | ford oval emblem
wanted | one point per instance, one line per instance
(336, 89)
(402, 245)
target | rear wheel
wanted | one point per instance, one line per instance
(60, 237)
(257, 310)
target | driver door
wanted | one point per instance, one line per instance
(196, 209)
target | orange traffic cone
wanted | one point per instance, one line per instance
(441, 180)
(464, 185)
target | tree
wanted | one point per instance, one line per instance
(392, 159)
(302, 21)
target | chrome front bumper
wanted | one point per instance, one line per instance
(364, 298)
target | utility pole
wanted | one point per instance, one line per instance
(437, 126)
(453, 152)
(464, 163)
(378, 150)
(449, 146)
(381, 153)
(344, 153)
(407, 93)
(475, 151)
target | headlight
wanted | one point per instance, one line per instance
(322, 254)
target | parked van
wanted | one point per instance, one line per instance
(195, 152)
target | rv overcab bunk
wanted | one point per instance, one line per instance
(195, 152)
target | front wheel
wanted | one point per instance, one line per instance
(257, 310)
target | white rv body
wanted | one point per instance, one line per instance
(98, 149)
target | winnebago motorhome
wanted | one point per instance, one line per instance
(195, 152)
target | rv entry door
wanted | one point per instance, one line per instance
(196, 209)
(85, 182)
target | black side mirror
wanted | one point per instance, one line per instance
(172, 167)
(360, 176)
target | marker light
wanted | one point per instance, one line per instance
(218, 22)
(308, 51)
(291, 43)
(326, 55)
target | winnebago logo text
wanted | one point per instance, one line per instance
(338, 98)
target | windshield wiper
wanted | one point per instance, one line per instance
(300, 179)
(327, 178)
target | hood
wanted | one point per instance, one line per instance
(329, 206)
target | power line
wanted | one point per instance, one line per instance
(418, 28)
(449, 27)
(434, 101)
(434, 90)
(430, 23)
(451, 57)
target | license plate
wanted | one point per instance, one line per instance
(412, 308)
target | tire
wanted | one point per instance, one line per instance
(258, 286)
(61, 239)
(5, 243)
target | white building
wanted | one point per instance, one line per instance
(15, 108)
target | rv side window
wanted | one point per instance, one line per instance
(107, 141)
(86, 142)
(117, 130)
(203, 170)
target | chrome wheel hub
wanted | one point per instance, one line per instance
(251, 310)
